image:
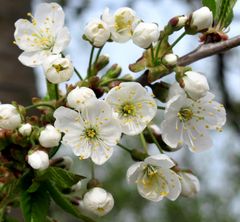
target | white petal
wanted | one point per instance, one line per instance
(160, 160)
(62, 40)
(101, 152)
(172, 131)
(33, 59)
(196, 142)
(24, 35)
(174, 184)
(67, 119)
(133, 172)
(49, 15)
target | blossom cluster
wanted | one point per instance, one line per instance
(92, 120)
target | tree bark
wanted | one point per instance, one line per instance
(17, 82)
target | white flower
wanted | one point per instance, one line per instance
(170, 59)
(188, 122)
(133, 106)
(25, 129)
(190, 184)
(9, 117)
(97, 32)
(182, 20)
(154, 178)
(121, 24)
(58, 69)
(49, 137)
(79, 96)
(38, 160)
(201, 19)
(195, 84)
(44, 36)
(145, 34)
(98, 201)
(91, 133)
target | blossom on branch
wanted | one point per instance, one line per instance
(9, 117)
(90, 133)
(154, 178)
(43, 36)
(57, 69)
(133, 106)
(188, 122)
(49, 137)
(38, 160)
(122, 23)
(98, 201)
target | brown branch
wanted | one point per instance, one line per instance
(207, 50)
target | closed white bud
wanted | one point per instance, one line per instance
(97, 32)
(79, 96)
(145, 34)
(201, 19)
(195, 84)
(190, 184)
(9, 117)
(49, 137)
(182, 20)
(98, 201)
(38, 160)
(58, 69)
(170, 59)
(25, 129)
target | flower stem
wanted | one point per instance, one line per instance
(90, 61)
(78, 73)
(124, 148)
(155, 140)
(52, 90)
(161, 107)
(144, 143)
(40, 104)
(152, 54)
(98, 54)
(178, 39)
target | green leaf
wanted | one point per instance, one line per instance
(9, 192)
(211, 4)
(35, 205)
(225, 12)
(64, 203)
(60, 177)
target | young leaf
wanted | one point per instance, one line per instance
(64, 203)
(211, 4)
(35, 205)
(60, 177)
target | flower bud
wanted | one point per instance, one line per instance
(113, 72)
(190, 184)
(9, 117)
(58, 69)
(145, 34)
(97, 32)
(201, 19)
(170, 59)
(195, 84)
(79, 96)
(38, 160)
(98, 201)
(49, 137)
(25, 129)
(178, 22)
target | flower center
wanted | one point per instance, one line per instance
(90, 133)
(58, 67)
(151, 171)
(128, 110)
(121, 23)
(185, 114)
